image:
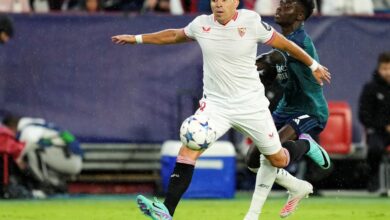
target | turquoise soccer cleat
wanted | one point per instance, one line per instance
(155, 210)
(316, 152)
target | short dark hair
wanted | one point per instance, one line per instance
(384, 58)
(11, 120)
(308, 6)
(6, 25)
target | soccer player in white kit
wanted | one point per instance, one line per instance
(233, 94)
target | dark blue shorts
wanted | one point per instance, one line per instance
(302, 123)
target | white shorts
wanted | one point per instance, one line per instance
(247, 119)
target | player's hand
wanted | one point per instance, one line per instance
(123, 39)
(322, 73)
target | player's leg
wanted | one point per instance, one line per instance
(285, 133)
(178, 184)
(252, 157)
(305, 126)
(183, 171)
(264, 180)
(181, 177)
(297, 188)
(305, 145)
(261, 129)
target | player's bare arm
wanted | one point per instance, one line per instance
(168, 36)
(320, 72)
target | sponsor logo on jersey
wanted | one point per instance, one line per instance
(206, 29)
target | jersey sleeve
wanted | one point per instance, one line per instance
(189, 30)
(265, 33)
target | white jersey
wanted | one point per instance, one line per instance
(229, 54)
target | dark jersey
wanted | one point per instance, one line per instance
(302, 93)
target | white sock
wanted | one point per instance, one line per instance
(288, 181)
(264, 180)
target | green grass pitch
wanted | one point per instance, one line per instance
(124, 208)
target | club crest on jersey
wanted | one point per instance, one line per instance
(206, 29)
(241, 31)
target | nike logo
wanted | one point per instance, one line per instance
(326, 164)
(154, 205)
(175, 175)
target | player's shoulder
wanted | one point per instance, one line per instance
(302, 35)
(203, 19)
(249, 14)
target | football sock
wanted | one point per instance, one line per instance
(288, 181)
(264, 180)
(178, 184)
(296, 149)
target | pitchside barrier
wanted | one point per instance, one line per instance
(215, 170)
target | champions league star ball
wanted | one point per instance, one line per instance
(197, 132)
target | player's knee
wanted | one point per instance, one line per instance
(278, 161)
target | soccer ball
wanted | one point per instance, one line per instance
(197, 132)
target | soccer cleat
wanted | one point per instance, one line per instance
(316, 152)
(155, 210)
(295, 196)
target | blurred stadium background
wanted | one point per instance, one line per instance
(123, 103)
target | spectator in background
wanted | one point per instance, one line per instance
(53, 5)
(91, 6)
(10, 146)
(15, 6)
(156, 5)
(347, 7)
(6, 29)
(268, 7)
(382, 6)
(49, 152)
(124, 5)
(374, 114)
(41, 6)
(203, 6)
